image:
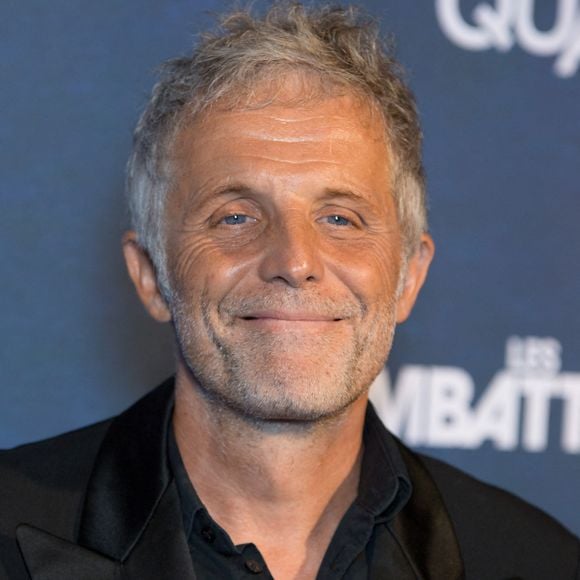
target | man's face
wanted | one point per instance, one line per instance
(284, 253)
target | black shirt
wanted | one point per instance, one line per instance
(355, 549)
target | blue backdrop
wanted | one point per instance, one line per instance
(486, 374)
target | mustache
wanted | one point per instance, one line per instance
(291, 302)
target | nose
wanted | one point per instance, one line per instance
(292, 255)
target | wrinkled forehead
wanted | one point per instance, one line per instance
(283, 151)
(283, 129)
(339, 129)
(288, 88)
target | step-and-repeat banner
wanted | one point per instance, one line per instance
(486, 373)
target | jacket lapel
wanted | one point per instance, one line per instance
(131, 473)
(161, 552)
(50, 558)
(424, 529)
(131, 525)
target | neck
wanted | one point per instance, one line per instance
(284, 487)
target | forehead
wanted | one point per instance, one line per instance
(337, 137)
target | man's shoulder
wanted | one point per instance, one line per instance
(491, 522)
(483, 501)
(55, 456)
(47, 478)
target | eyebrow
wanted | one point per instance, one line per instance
(229, 189)
(331, 193)
(328, 194)
(212, 194)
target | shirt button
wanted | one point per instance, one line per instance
(253, 566)
(208, 535)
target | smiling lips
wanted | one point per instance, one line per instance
(290, 316)
(287, 320)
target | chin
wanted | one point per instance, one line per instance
(291, 400)
(273, 386)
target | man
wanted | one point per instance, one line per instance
(279, 223)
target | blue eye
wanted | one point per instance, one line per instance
(338, 220)
(235, 219)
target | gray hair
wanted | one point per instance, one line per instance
(338, 46)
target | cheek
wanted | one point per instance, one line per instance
(201, 266)
(371, 270)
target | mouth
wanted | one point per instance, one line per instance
(289, 321)
(290, 316)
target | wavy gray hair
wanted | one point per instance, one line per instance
(338, 46)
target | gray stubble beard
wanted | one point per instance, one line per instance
(221, 375)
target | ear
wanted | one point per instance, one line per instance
(142, 272)
(417, 269)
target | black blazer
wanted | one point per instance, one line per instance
(100, 504)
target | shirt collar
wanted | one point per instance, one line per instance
(190, 502)
(196, 519)
(384, 485)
